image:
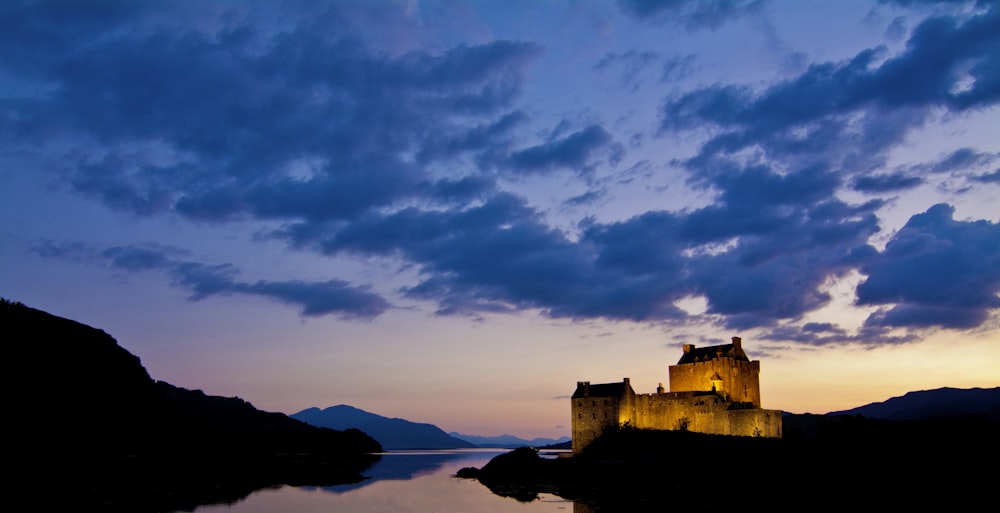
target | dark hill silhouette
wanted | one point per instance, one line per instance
(941, 403)
(85, 416)
(392, 433)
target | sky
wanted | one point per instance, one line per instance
(452, 211)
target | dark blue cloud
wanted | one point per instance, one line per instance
(780, 237)
(935, 271)
(993, 177)
(499, 256)
(782, 234)
(963, 159)
(889, 182)
(574, 151)
(821, 334)
(693, 14)
(847, 115)
(649, 244)
(301, 122)
(462, 190)
(759, 255)
(136, 258)
(587, 198)
(485, 140)
(779, 275)
(352, 150)
(966, 163)
(332, 297)
(757, 200)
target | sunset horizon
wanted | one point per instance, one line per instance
(452, 212)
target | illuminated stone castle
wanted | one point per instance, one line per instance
(713, 390)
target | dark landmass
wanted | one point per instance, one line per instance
(941, 403)
(561, 446)
(510, 441)
(391, 433)
(402, 434)
(89, 428)
(830, 461)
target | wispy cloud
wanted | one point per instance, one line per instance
(331, 297)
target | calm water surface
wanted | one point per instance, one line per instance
(405, 481)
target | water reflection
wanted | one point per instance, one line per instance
(411, 481)
(404, 465)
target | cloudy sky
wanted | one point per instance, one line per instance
(453, 211)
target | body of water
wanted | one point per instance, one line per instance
(403, 481)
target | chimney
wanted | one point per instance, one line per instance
(660, 389)
(738, 342)
(584, 386)
(688, 348)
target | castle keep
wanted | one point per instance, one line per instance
(713, 390)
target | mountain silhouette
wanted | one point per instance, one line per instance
(83, 413)
(509, 441)
(941, 403)
(392, 433)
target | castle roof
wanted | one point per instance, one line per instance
(585, 389)
(694, 354)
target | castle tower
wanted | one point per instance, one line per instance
(724, 369)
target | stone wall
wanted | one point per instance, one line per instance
(756, 422)
(698, 412)
(592, 415)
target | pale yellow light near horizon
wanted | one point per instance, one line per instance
(514, 373)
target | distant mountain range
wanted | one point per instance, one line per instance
(401, 434)
(509, 441)
(392, 433)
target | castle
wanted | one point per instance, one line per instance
(713, 390)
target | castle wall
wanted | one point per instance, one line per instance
(740, 379)
(680, 411)
(703, 413)
(698, 412)
(592, 415)
(756, 422)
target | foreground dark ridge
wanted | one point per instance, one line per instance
(842, 462)
(89, 427)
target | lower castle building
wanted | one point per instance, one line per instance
(713, 390)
